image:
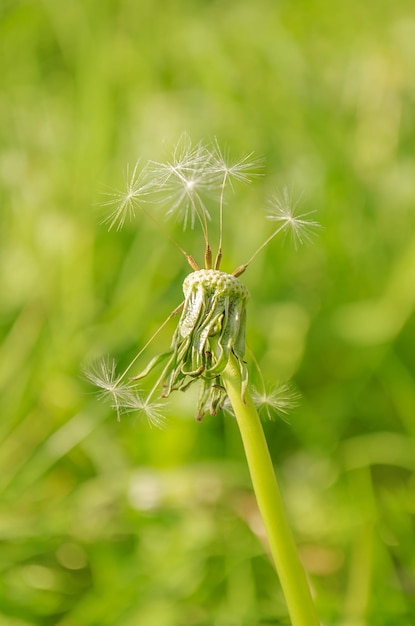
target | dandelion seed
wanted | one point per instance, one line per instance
(183, 179)
(102, 374)
(284, 210)
(241, 170)
(153, 411)
(127, 201)
(280, 399)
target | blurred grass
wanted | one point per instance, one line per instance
(106, 523)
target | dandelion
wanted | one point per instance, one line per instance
(211, 328)
(208, 345)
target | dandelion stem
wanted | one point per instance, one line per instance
(289, 568)
(266, 242)
(200, 212)
(222, 194)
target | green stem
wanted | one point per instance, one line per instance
(289, 568)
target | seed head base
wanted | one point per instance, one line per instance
(211, 328)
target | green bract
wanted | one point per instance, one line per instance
(211, 327)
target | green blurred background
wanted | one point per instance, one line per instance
(106, 523)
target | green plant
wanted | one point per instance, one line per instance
(208, 345)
